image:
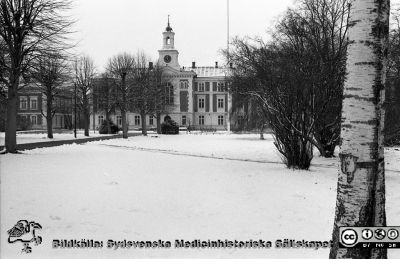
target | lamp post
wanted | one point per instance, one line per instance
(75, 110)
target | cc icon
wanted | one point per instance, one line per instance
(349, 237)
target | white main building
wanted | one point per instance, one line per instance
(198, 96)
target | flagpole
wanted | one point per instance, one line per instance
(227, 30)
(228, 117)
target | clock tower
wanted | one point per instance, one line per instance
(168, 55)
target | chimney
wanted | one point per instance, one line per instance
(216, 64)
(150, 65)
(193, 64)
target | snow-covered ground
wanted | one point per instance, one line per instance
(173, 187)
(23, 138)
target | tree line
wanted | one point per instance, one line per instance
(35, 51)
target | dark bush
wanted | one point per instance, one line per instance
(23, 123)
(104, 130)
(169, 126)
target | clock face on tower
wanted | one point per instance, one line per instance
(167, 58)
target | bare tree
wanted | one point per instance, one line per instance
(141, 88)
(274, 76)
(361, 179)
(297, 81)
(84, 75)
(317, 30)
(50, 74)
(158, 89)
(29, 29)
(121, 66)
(105, 97)
(149, 90)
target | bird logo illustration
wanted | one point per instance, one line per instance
(25, 232)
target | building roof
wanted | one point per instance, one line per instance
(209, 71)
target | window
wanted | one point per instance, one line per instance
(201, 103)
(137, 120)
(201, 120)
(168, 40)
(220, 87)
(169, 94)
(34, 120)
(23, 102)
(100, 119)
(183, 119)
(201, 87)
(34, 102)
(220, 103)
(220, 120)
(119, 120)
(151, 120)
(183, 84)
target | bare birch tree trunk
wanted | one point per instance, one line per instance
(361, 180)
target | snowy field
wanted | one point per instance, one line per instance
(174, 187)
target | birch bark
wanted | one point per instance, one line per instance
(361, 178)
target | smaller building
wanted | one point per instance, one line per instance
(32, 112)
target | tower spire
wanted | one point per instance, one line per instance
(168, 26)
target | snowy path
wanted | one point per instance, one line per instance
(99, 192)
(177, 153)
(24, 138)
(247, 147)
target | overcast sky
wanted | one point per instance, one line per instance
(108, 27)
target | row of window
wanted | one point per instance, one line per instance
(119, 120)
(151, 120)
(204, 86)
(220, 120)
(23, 103)
(33, 118)
(201, 103)
(200, 87)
